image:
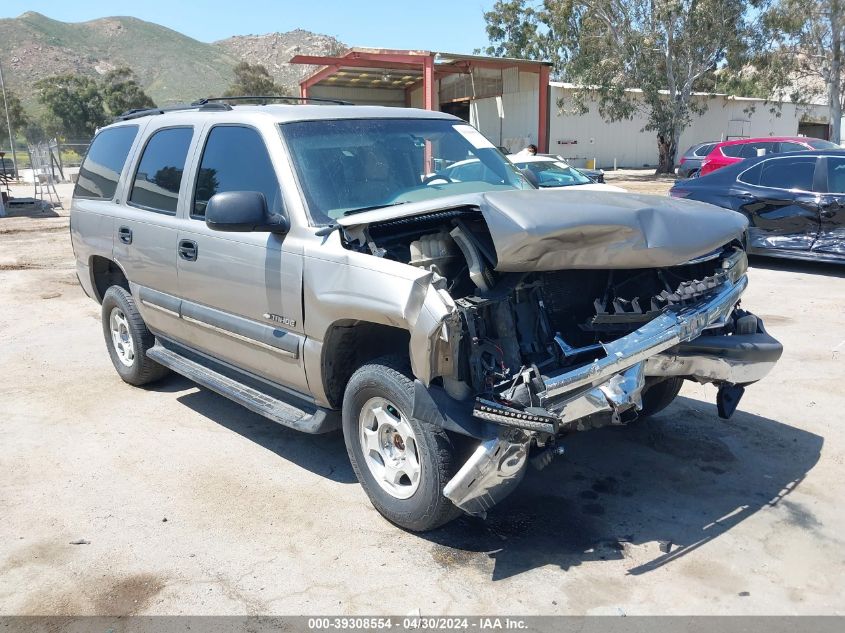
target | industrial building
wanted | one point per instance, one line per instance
(513, 103)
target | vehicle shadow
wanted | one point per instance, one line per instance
(681, 479)
(323, 455)
(797, 266)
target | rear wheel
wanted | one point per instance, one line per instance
(660, 395)
(403, 463)
(128, 339)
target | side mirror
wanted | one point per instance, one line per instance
(243, 211)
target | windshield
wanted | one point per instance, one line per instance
(352, 165)
(554, 173)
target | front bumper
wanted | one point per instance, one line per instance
(674, 344)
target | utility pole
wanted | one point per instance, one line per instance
(8, 122)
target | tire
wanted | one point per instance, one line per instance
(128, 339)
(380, 397)
(695, 173)
(660, 395)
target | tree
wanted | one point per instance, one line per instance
(807, 46)
(74, 105)
(631, 56)
(77, 105)
(17, 116)
(252, 80)
(121, 92)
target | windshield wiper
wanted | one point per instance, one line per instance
(372, 208)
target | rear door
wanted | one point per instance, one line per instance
(146, 225)
(777, 197)
(241, 291)
(831, 239)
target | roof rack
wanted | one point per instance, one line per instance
(137, 113)
(219, 103)
(266, 98)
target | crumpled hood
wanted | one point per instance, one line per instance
(597, 229)
(554, 230)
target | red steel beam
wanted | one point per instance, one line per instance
(543, 112)
(354, 63)
(398, 58)
(316, 78)
(429, 85)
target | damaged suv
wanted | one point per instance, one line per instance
(317, 264)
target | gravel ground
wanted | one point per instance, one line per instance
(181, 502)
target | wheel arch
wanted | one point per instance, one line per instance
(348, 344)
(105, 273)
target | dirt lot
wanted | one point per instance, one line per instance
(186, 503)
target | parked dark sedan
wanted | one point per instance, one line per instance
(690, 163)
(795, 203)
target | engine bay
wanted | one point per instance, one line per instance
(516, 327)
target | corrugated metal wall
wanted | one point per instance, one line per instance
(361, 96)
(583, 137)
(510, 120)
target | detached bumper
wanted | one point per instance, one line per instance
(740, 359)
(674, 344)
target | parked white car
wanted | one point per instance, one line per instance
(549, 172)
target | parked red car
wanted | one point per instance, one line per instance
(730, 152)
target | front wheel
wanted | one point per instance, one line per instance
(660, 395)
(403, 463)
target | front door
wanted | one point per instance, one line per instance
(831, 240)
(777, 197)
(241, 291)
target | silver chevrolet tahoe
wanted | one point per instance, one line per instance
(316, 264)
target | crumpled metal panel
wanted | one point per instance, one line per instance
(591, 229)
(553, 230)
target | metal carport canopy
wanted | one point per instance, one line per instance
(365, 67)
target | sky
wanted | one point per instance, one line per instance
(455, 26)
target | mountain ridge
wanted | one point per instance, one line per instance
(171, 67)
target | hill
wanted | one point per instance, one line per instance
(171, 67)
(274, 50)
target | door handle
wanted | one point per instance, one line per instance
(124, 234)
(188, 250)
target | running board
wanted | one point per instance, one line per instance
(317, 420)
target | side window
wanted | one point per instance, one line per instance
(235, 159)
(734, 151)
(835, 174)
(789, 173)
(704, 150)
(159, 174)
(100, 172)
(752, 150)
(786, 146)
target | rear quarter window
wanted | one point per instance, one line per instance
(104, 162)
